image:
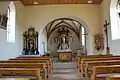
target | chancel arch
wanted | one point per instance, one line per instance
(75, 27)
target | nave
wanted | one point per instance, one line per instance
(33, 32)
(65, 71)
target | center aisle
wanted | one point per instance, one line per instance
(65, 71)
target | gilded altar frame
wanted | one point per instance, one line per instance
(30, 42)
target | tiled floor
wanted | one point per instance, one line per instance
(65, 71)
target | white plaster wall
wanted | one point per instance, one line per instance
(105, 15)
(42, 38)
(40, 16)
(52, 47)
(20, 24)
(10, 50)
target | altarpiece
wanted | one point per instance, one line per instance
(64, 40)
(30, 42)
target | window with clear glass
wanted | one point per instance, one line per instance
(115, 21)
(83, 36)
(11, 23)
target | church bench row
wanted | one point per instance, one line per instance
(99, 59)
(113, 77)
(101, 72)
(93, 60)
(90, 65)
(30, 61)
(111, 60)
(46, 60)
(20, 72)
(49, 58)
(40, 66)
(30, 56)
(39, 59)
(15, 78)
(79, 58)
(45, 57)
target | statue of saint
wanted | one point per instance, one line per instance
(64, 44)
(60, 47)
(31, 45)
(63, 38)
(70, 40)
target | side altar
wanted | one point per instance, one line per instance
(30, 42)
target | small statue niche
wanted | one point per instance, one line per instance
(30, 42)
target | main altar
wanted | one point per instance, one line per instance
(64, 55)
(64, 40)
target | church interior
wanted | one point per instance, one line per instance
(59, 39)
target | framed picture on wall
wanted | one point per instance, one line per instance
(3, 21)
(99, 42)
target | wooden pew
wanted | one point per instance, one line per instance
(51, 64)
(35, 58)
(30, 61)
(113, 77)
(79, 58)
(83, 61)
(20, 72)
(41, 66)
(51, 57)
(14, 79)
(90, 65)
(101, 72)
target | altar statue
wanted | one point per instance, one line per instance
(63, 38)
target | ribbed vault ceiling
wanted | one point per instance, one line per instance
(64, 22)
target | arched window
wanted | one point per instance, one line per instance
(115, 19)
(11, 23)
(83, 36)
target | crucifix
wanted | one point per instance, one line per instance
(106, 33)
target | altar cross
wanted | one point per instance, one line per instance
(106, 33)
